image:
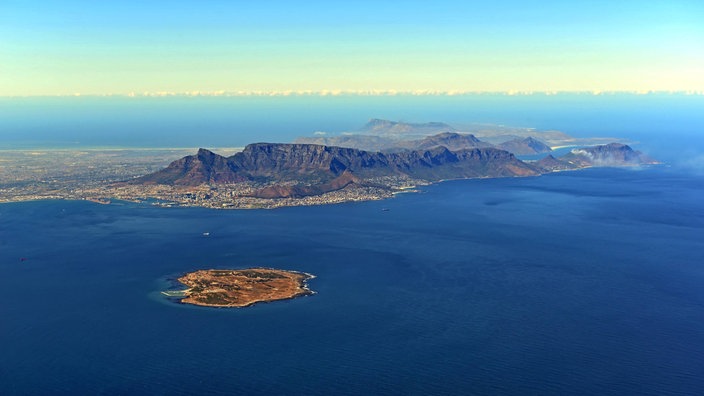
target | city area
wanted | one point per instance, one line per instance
(99, 175)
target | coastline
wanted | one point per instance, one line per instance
(187, 295)
(189, 197)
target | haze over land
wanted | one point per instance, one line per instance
(270, 175)
(496, 197)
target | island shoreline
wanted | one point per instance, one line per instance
(241, 288)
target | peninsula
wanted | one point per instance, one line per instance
(325, 170)
(242, 288)
(269, 175)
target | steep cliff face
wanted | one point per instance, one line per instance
(266, 160)
(300, 160)
(323, 164)
(292, 160)
(300, 170)
(205, 167)
(440, 163)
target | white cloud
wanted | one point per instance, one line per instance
(366, 92)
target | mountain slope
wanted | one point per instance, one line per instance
(451, 140)
(612, 154)
(203, 168)
(299, 170)
(525, 146)
(396, 129)
(315, 164)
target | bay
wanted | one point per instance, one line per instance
(584, 282)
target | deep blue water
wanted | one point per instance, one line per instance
(237, 121)
(669, 127)
(586, 282)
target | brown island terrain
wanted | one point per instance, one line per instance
(242, 288)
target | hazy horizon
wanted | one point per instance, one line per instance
(450, 46)
(449, 266)
(666, 126)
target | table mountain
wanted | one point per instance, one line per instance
(309, 163)
(299, 170)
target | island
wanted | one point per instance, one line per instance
(242, 288)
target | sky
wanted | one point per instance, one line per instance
(129, 46)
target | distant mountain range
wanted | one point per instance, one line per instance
(613, 154)
(297, 170)
(384, 135)
(451, 140)
(391, 136)
(525, 146)
(404, 130)
(608, 155)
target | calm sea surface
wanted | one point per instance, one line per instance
(585, 282)
(654, 119)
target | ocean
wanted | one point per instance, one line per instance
(584, 282)
(659, 122)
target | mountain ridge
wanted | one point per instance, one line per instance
(279, 162)
(525, 146)
(294, 170)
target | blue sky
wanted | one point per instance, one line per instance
(92, 47)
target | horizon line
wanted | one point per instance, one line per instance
(389, 92)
